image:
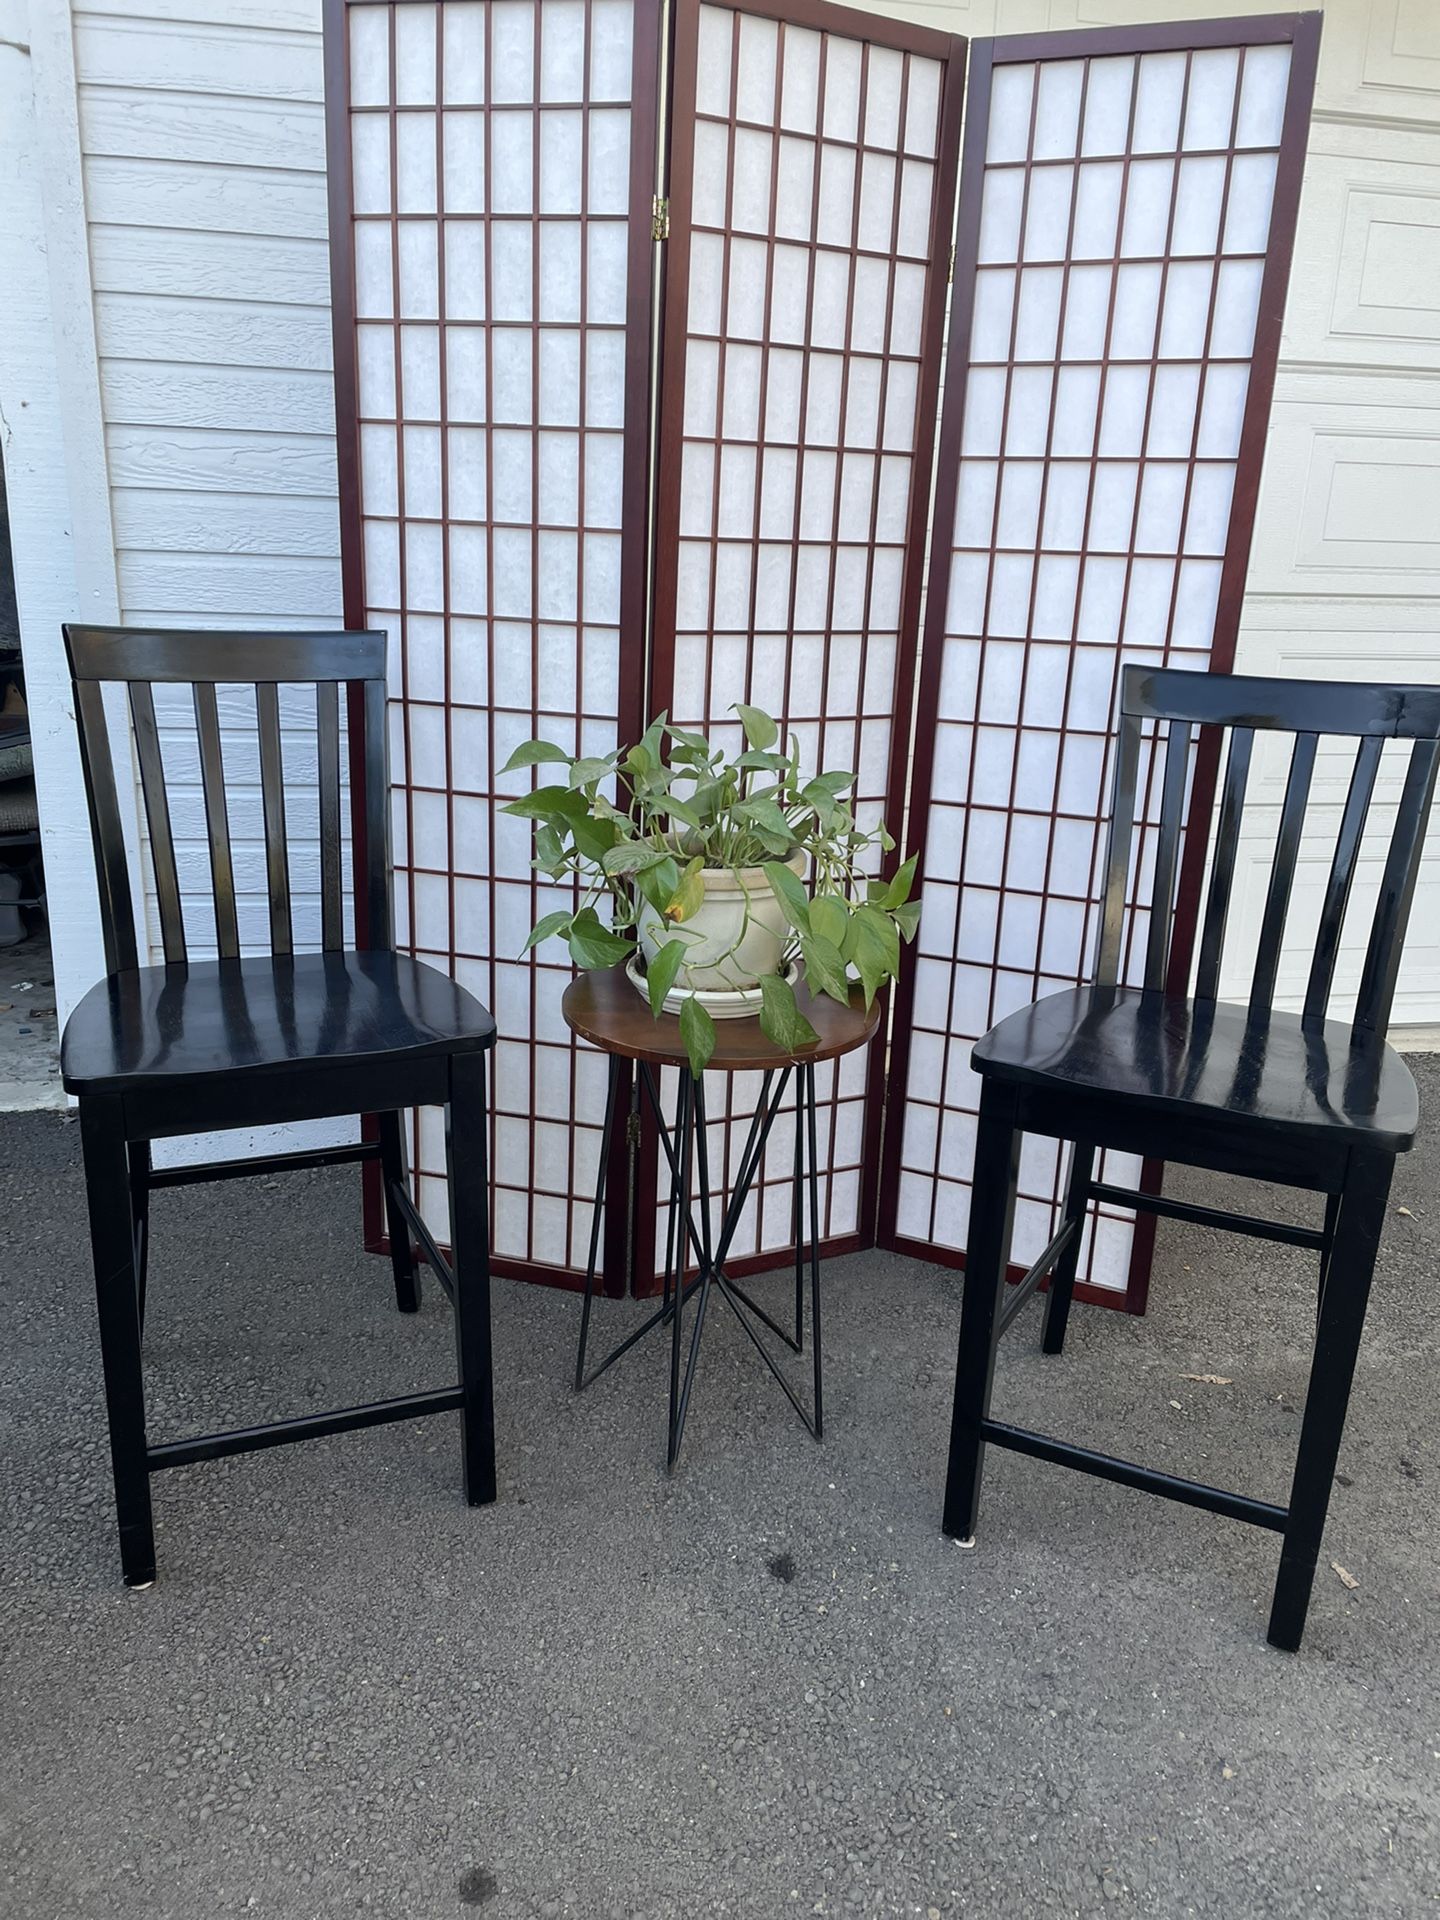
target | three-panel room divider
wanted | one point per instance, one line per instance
(689, 355)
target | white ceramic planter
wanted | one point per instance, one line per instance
(736, 935)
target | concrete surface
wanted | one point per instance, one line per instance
(29, 1032)
(767, 1687)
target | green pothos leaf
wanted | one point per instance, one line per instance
(829, 917)
(781, 1020)
(661, 972)
(631, 856)
(824, 968)
(547, 803)
(907, 917)
(584, 772)
(657, 884)
(549, 848)
(790, 892)
(593, 945)
(542, 930)
(876, 949)
(689, 894)
(697, 1030)
(760, 730)
(533, 753)
(594, 838)
(898, 891)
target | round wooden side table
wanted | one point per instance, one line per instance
(606, 1010)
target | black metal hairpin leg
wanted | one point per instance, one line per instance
(612, 1095)
(113, 1245)
(402, 1253)
(674, 1245)
(679, 1192)
(695, 1142)
(799, 1213)
(810, 1103)
(692, 1236)
(674, 1256)
(711, 1257)
(753, 1152)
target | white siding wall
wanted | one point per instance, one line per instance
(53, 446)
(202, 135)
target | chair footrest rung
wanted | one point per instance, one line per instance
(1016, 1296)
(191, 1176)
(1126, 1473)
(434, 1259)
(310, 1426)
(1209, 1216)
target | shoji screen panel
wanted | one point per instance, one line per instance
(1128, 204)
(491, 167)
(811, 199)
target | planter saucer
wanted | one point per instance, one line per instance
(740, 1004)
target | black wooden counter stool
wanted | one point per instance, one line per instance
(196, 1045)
(1299, 1099)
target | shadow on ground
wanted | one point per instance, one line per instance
(767, 1687)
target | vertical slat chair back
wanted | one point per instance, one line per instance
(1243, 705)
(140, 659)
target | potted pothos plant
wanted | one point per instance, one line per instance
(726, 879)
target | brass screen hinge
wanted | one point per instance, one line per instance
(659, 218)
(632, 1129)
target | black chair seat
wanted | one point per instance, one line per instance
(1178, 1056)
(217, 1018)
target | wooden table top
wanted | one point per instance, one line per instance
(605, 1009)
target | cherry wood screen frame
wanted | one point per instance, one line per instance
(949, 52)
(1301, 33)
(635, 489)
(646, 685)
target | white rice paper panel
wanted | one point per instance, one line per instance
(490, 145)
(1123, 221)
(815, 163)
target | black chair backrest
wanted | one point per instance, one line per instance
(1307, 709)
(141, 658)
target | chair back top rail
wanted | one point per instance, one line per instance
(1287, 706)
(1190, 703)
(139, 659)
(183, 656)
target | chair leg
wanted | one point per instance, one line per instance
(1349, 1269)
(467, 1166)
(992, 1210)
(402, 1254)
(1062, 1280)
(138, 1155)
(113, 1249)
